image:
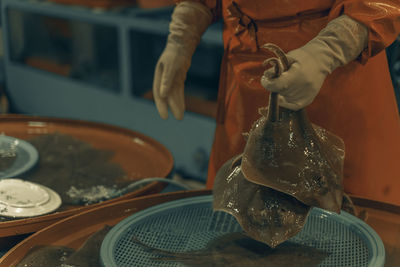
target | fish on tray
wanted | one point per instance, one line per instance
(88, 255)
(236, 250)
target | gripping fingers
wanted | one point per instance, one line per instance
(289, 105)
(267, 78)
(273, 84)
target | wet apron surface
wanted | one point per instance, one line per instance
(356, 102)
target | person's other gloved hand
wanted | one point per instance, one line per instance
(340, 42)
(189, 22)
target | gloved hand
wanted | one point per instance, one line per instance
(340, 42)
(189, 22)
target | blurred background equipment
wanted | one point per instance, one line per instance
(97, 64)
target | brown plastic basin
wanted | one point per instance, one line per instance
(138, 155)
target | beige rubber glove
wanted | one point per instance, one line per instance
(189, 21)
(340, 42)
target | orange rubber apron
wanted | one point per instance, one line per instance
(356, 102)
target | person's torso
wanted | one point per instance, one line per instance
(250, 24)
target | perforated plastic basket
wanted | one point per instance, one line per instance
(189, 224)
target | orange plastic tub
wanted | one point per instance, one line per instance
(138, 155)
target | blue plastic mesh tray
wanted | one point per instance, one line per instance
(189, 224)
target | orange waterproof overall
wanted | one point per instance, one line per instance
(356, 102)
